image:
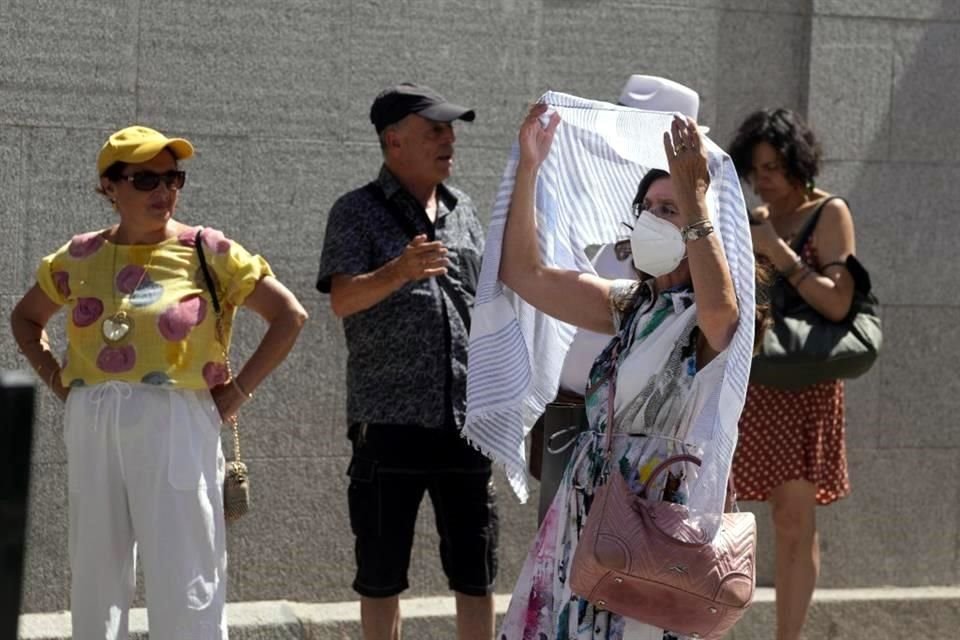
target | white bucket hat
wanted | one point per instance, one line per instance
(653, 93)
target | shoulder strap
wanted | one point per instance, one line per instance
(234, 422)
(410, 229)
(405, 223)
(807, 230)
(621, 346)
(198, 241)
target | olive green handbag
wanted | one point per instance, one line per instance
(802, 347)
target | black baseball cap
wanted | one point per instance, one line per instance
(396, 103)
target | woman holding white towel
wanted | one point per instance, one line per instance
(670, 359)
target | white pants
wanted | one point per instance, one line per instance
(145, 469)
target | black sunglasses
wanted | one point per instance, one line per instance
(148, 180)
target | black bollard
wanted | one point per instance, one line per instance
(16, 435)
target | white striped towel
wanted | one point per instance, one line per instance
(584, 192)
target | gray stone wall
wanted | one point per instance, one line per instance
(275, 96)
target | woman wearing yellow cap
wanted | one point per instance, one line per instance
(147, 387)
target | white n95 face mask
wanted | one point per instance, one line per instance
(656, 245)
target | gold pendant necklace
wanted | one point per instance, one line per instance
(118, 326)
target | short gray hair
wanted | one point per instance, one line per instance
(382, 136)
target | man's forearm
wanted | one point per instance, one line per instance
(352, 294)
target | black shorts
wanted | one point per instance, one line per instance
(391, 468)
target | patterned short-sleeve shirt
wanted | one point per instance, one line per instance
(158, 290)
(407, 355)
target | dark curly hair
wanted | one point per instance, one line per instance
(762, 318)
(788, 133)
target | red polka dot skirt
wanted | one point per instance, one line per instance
(792, 435)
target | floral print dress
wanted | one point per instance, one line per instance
(650, 422)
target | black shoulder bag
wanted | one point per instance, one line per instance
(802, 347)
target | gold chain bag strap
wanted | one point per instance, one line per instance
(236, 482)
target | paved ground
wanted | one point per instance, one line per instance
(850, 614)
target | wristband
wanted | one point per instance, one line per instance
(243, 391)
(797, 265)
(806, 272)
(696, 230)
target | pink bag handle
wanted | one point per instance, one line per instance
(731, 498)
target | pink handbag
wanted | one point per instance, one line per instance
(644, 559)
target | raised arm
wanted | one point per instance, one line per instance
(717, 311)
(829, 291)
(578, 298)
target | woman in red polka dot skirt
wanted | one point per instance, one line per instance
(791, 450)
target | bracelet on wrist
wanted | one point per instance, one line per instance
(794, 268)
(696, 230)
(236, 383)
(697, 223)
(806, 272)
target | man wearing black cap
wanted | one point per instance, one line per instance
(400, 261)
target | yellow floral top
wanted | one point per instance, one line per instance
(170, 338)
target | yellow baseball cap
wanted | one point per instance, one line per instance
(138, 144)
